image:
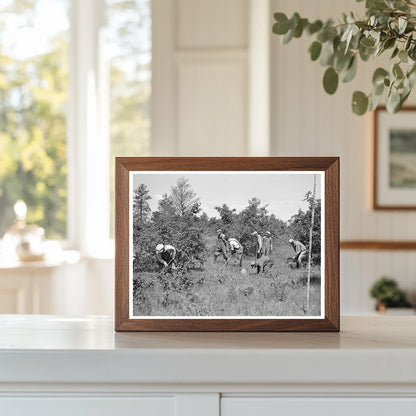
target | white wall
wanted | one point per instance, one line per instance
(308, 122)
(200, 77)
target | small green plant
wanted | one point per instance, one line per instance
(387, 293)
(389, 26)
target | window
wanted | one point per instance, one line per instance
(129, 43)
(75, 87)
(33, 101)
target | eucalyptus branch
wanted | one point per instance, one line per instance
(389, 25)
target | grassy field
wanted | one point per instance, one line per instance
(223, 290)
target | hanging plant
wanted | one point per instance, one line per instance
(388, 27)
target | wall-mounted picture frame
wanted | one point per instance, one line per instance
(227, 244)
(394, 159)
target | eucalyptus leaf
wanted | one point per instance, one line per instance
(367, 42)
(298, 30)
(408, 42)
(341, 62)
(402, 22)
(395, 52)
(404, 96)
(389, 43)
(314, 27)
(288, 37)
(379, 75)
(327, 53)
(403, 56)
(359, 103)
(376, 4)
(397, 71)
(281, 27)
(374, 102)
(378, 89)
(315, 50)
(393, 101)
(366, 53)
(330, 80)
(351, 72)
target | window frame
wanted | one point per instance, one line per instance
(88, 133)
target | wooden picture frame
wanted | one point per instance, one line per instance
(391, 174)
(326, 168)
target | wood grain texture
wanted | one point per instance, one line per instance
(121, 244)
(330, 165)
(376, 204)
(378, 245)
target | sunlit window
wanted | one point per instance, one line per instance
(33, 103)
(129, 56)
(42, 80)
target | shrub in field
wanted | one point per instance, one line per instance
(144, 247)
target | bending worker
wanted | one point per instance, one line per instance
(259, 244)
(237, 249)
(300, 251)
(221, 248)
(165, 255)
(261, 264)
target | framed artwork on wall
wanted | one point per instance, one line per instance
(227, 244)
(394, 178)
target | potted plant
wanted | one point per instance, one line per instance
(389, 27)
(387, 294)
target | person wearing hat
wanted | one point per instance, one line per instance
(261, 263)
(221, 248)
(165, 255)
(236, 248)
(259, 244)
(267, 244)
(300, 251)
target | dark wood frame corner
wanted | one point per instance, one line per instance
(375, 205)
(330, 165)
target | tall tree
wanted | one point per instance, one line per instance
(184, 198)
(141, 207)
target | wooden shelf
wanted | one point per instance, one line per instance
(378, 245)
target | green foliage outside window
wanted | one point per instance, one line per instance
(33, 100)
(34, 103)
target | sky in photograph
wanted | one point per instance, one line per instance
(283, 193)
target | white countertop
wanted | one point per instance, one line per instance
(53, 349)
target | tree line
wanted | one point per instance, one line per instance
(179, 220)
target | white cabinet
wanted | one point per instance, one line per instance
(262, 406)
(51, 365)
(88, 406)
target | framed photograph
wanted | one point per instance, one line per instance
(395, 159)
(227, 244)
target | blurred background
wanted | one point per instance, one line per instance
(83, 81)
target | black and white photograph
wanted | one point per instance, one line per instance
(226, 244)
